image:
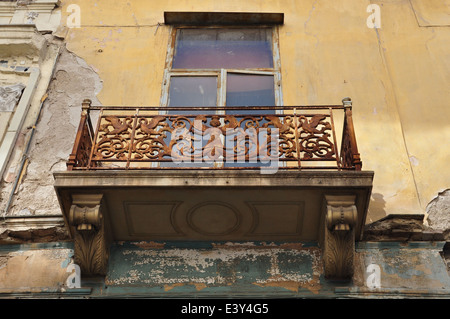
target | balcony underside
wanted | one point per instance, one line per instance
(127, 179)
(215, 205)
(100, 207)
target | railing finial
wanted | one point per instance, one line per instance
(86, 105)
(347, 102)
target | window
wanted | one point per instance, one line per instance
(230, 66)
(224, 67)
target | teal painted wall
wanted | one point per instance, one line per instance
(225, 269)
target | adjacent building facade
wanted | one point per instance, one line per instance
(224, 149)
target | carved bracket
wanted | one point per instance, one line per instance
(91, 238)
(339, 237)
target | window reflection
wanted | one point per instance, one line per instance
(239, 54)
(219, 48)
(250, 90)
(193, 91)
(189, 92)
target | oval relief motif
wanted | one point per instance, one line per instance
(213, 218)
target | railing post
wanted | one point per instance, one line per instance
(83, 129)
(349, 134)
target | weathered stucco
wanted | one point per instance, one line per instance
(225, 266)
(72, 81)
(65, 83)
(27, 269)
(381, 69)
(327, 52)
(411, 268)
(397, 76)
(248, 269)
(226, 269)
(438, 213)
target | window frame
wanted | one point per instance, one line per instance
(221, 74)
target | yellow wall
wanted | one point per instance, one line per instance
(397, 76)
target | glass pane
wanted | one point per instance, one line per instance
(250, 90)
(193, 91)
(189, 91)
(223, 48)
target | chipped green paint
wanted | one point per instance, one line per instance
(407, 265)
(68, 260)
(36, 246)
(248, 270)
(252, 269)
(215, 267)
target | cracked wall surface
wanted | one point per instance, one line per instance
(107, 57)
(111, 65)
(279, 269)
(111, 46)
(438, 213)
(224, 264)
(379, 68)
(72, 81)
(28, 269)
(238, 269)
(397, 76)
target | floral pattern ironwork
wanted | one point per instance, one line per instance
(144, 135)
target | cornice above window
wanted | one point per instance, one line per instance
(223, 18)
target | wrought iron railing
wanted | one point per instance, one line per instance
(301, 137)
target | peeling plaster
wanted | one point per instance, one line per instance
(35, 268)
(285, 266)
(438, 212)
(414, 160)
(73, 81)
(403, 267)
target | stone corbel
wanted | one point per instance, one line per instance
(91, 237)
(339, 237)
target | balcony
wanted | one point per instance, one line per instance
(215, 174)
(149, 137)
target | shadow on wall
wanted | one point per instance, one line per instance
(377, 207)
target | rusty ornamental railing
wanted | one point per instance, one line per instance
(301, 137)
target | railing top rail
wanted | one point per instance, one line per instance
(307, 133)
(214, 108)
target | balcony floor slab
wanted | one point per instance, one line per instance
(215, 204)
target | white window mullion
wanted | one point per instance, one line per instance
(278, 92)
(222, 97)
(222, 93)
